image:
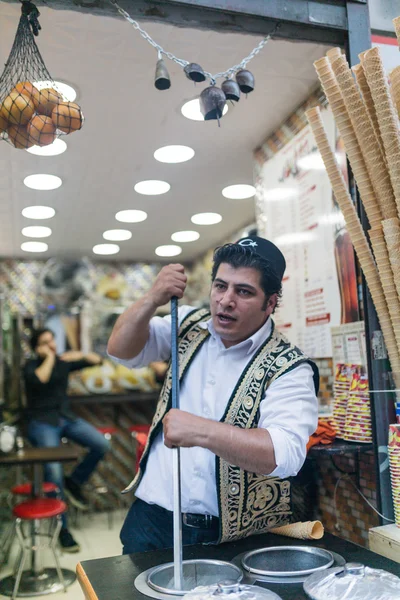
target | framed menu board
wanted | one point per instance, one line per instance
(300, 216)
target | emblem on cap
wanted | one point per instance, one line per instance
(248, 242)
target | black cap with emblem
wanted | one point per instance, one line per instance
(267, 250)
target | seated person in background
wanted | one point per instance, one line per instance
(50, 419)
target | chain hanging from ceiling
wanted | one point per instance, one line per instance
(237, 79)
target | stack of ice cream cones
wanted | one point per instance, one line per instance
(358, 426)
(365, 111)
(394, 463)
(395, 87)
(341, 391)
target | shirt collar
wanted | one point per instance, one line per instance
(251, 343)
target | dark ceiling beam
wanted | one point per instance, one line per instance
(321, 21)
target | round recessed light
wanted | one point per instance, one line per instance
(57, 147)
(209, 218)
(239, 191)
(152, 187)
(34, 246)
(191, 110)
(36, 231)
(117, 235)
(174, 154)
(168, 250)
(42, 182)
(185, 236)
(66, 90)
(106, 249)
(131, 216)
(38, 212)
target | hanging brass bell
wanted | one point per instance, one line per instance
(212, 103)
(162, 79)
(245, 80)
(194, 72)
(231, 90)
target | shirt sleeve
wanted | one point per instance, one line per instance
(289, 412)
(78, 365)
(158, 346)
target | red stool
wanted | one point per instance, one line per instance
(34, 511)
(108, 432)
(25, 489)
(139, 433)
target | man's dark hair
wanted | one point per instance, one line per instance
(36, 336)
(241, 256)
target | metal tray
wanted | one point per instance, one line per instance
(287, 561)
(195, 572)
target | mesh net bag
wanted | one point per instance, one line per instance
(32, 110)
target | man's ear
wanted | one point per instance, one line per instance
(272, 302)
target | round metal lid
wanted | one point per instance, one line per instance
(353, 581)
(197, 572)
(287, 561)
(231, 591)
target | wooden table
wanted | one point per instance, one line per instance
(37, 580)
(113, 578)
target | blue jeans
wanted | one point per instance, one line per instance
(149, 527)
(45, 435)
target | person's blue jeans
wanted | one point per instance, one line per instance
(45, 435)
(150, 527)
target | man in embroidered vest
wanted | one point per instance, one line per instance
(247, 403)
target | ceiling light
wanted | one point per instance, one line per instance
(117, 235)
(206, 218)
(34, 247)
(38, 212)
(152, 187)
(106, 249)
(42, 182)
(66, 90)
(36, 231)
(279, 194)
(57, 147)
(191, 110)
(239, 192)
(185, 236)
(170, 250)
(174, 154)
(131, 216)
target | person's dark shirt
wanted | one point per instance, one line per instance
(49, 402)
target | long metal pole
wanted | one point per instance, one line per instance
(177, 521)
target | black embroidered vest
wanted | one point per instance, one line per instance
(248, 503)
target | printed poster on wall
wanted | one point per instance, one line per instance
(295, 196)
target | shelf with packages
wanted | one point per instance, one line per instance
(134, 397)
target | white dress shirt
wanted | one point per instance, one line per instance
(289, 411)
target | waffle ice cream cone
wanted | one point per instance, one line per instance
(387, 117)
(309, 530)
(333, 53)
(354, 228)
(345, 127)
(395, 87)
(368, 101)
(396, 23)
(391, 230)
(367, 140)
(388, 283)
